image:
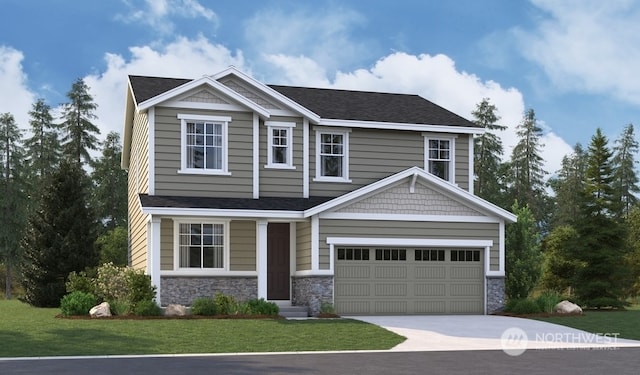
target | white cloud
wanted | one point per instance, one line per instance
(15, 96)
(158, 13)
(589, 45)
(183, 58)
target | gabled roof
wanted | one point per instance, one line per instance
(415, 172)
(372, 106)
(145, 88)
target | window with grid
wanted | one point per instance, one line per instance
(280, 144)
(391, 254)
(353, 254)
(201, 245)
(204, 145)
(439, 158)
(430, 255)
(465, 255)
(332, 155)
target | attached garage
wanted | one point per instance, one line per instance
(409, 280)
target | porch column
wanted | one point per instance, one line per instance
(153, 252)
(261, 237)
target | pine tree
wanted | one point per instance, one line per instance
(603, 279)
(526, 168)
(625, 178)
(488, 153)
(43, 148)
(60, 236)
(522, 255)
(110, 192)
(568, 186)
(80, 132)
(13, 196)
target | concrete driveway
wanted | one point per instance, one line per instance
(490, 332)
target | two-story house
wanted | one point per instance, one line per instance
(306, 195)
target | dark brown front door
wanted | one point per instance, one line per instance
(278, 261)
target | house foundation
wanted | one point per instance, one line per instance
(312, 291)
(183, 290)
(495, 294)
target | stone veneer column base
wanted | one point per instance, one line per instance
(183, 289)
(495, 294)
(312, 291)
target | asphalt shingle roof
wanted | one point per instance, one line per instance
(265, 203)
(334, 104)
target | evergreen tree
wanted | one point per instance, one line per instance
(522, 258)
(488, 153)
(632, 222)
(603, 279)
(559, 266)
(60, 236)
(110, 191)
(43, 148)
(526, 168)
(568, 186)
(80, 132)
(625, 178)
(12, 196)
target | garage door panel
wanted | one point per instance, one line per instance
(421, 283)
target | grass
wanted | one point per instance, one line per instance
(26, 331)
(625, 323)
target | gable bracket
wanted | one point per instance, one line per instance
(412, 184)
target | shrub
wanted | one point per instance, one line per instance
(123, 285)
(548, 300)
(139, 288)
(147, 308)
(203, 306)
(77, 303)
(327, 308)
(522, 306)
(82, 281)
(225, 304)
(261, 307)
(121, 307)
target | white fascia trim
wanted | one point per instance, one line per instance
(173, 93)
(187, 116)
(204, 106)
(418, 242)
(471, 166)
(501, 249)
(314, 273)
(402, 126)
(305, 158)
(207, 273)
(256, 156)
(409, 217)
(268, 91)
(207, 212)
(152, 150)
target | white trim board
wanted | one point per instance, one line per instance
(418, 242)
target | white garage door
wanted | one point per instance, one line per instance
(399, 281)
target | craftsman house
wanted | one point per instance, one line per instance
(307, 196)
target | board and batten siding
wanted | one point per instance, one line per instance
(167, 157)
(138, 183)
(303, 245)
(373, 155)
(275, 182)
(242, 243)
(408, 229)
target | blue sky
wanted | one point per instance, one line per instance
(575, 62)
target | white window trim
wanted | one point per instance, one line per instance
(224, 120)
(452, 154)
(288, 126)
(200, 271)
(345, 161)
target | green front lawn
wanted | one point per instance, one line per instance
(624, 323)
(26, 331)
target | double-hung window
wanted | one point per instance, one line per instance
(280, 144)
(201, 245)
(439, 154)
(332, 155)
(204, 144)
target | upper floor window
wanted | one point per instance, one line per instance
(440, 157)
(204, 144)
(280, 144)
(332, 155)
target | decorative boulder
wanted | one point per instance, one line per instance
(175, 310)
(101, 310)
(566, 307)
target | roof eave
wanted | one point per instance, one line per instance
(402, 126)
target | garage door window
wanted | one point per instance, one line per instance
(353, 254)
(430, 255)
(391, 254)
(465, 255)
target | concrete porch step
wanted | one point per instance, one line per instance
(293, 311)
